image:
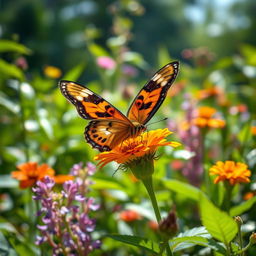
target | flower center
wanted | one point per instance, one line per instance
(132, 147)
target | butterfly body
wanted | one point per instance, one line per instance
(108, 126)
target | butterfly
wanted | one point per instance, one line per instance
(108, 126)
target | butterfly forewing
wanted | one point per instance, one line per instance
(152, 95)
(89, 105)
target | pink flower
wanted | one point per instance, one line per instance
(106, 62)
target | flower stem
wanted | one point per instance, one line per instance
(148, 183)
(149, 187)
(240, 241)
(22, 120)
(228, 194)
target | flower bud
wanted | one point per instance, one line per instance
(169, 225)
(253, 238)
(238, 220)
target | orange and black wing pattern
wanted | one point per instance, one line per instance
(104, 135)
(89, 105)
(152, 95)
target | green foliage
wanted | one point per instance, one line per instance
(143, 243)
(10, 70)
(10, 46)
(243, 207)
(219, 224)
(193, 237)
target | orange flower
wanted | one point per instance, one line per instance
(205, 118)
(230, 171)
(52, 72)
(177, 164)
(208, 92)
(134, 148)
(179, 86)
(249, 195)
(29, 173)
(253, 130)
(129, 215)
(60, 179)
(153, 225)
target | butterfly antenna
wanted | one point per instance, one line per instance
(118, 168)
(157, 121)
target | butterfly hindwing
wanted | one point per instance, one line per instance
(89, 105)
(106, 134)
(152, 95)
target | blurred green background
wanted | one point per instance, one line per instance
(58, 31)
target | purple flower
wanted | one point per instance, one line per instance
(40, 240)
(64, 215)
(91, 204)
(191, 139)
(85, 223)
(130, 70)
(76, 168)
(43, 187)
(106, 62)
(91, 168)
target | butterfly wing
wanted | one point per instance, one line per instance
(106, 134)
(89, 105)
(152, 95)
(108, 127)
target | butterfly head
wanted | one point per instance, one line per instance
(137, 129)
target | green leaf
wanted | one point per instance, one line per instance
(249, 53)
(144, 243)
(106, 184)
(75, 72)
(218, 223)
(5, 248)
(181, 243)
(8, 104)
(6, 181)
(199, 231)
(195, 236)
(10, 46)
(134, 58)
(183, 188)
(97, 50)
(10, 70)
(243, 207)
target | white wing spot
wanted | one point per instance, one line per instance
(163, 83)
(107, 132)
(80, 98)
(160, 80)
(156, 77)
(87, 92)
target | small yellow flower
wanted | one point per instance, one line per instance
(52, 72)
(230, 171)
(205, 118)
(136, 148)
